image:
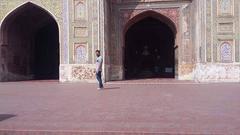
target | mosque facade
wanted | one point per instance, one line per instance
(196, 40)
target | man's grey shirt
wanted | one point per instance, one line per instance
(99, 62)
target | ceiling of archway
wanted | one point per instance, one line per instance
(29, 15)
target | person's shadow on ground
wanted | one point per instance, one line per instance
(111, 88)
(6, 116)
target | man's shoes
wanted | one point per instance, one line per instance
(100, 88)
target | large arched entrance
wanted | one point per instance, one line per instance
(29, 45)
(149, 49)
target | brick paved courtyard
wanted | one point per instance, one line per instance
(52, 108)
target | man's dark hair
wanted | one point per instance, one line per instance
(98, 51)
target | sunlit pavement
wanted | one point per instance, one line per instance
(128, 107)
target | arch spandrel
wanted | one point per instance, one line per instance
(169, 16)
(171, 13)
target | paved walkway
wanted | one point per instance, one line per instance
(52, 108)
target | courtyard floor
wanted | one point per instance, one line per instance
(128, 107)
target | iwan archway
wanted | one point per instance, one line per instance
(149, 47)
(29, 45)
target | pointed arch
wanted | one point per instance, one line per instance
(29, 40)
(149, 40)
(153, 14)
(10, 17)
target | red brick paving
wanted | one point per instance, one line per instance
(52, 108)
(152, 81)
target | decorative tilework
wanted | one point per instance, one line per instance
(226, 52)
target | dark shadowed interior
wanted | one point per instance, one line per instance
(149, 50)
(30, 39)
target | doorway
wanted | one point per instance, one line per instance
(30, 38)
(149, 50)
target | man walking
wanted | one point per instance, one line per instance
(99, 62)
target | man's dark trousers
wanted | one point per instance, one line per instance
(99, 78)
